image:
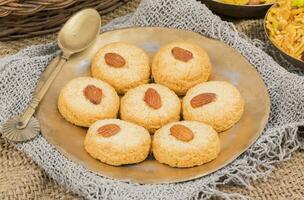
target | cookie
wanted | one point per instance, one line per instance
(216, 103)
(122, 65)
(180, 66)
(117, 142)
(84, 100)
(185, 144)
(150, 106)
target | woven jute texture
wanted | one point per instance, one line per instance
(21, 178)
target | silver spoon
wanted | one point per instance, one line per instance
(78, 33)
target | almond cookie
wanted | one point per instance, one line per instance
(180, 66)
(117, 142)
(185, 144)
(216, 103)
(84, 100)
(150, 106)
(122, 65)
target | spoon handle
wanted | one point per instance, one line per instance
(43, 85)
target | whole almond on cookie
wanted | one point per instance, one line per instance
(114, 60)
(181, 133)
(181, 54)
(108, 130)
(93, 94)
(152, 98)
(202, 99)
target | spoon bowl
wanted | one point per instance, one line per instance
(79, 31)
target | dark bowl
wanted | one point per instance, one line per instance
(237, 11)
(295, 61)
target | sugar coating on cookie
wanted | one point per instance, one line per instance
(122, 65)
(180, 66)
(216, 103)
(151, 106)
(117, 142)
(185, 151)
(84, 100)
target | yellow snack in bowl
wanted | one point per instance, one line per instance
(285, 26)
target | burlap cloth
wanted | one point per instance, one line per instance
(21, 178)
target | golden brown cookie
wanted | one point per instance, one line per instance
(151, 106)
(180, 66)
(117, 142)
(185, 144)
(84, 100)
(216, 103)
(122, 65)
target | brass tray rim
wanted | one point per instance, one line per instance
(254, 139)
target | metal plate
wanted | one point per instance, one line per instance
(227, 64)
(237, 11)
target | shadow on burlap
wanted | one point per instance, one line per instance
(21, 178)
